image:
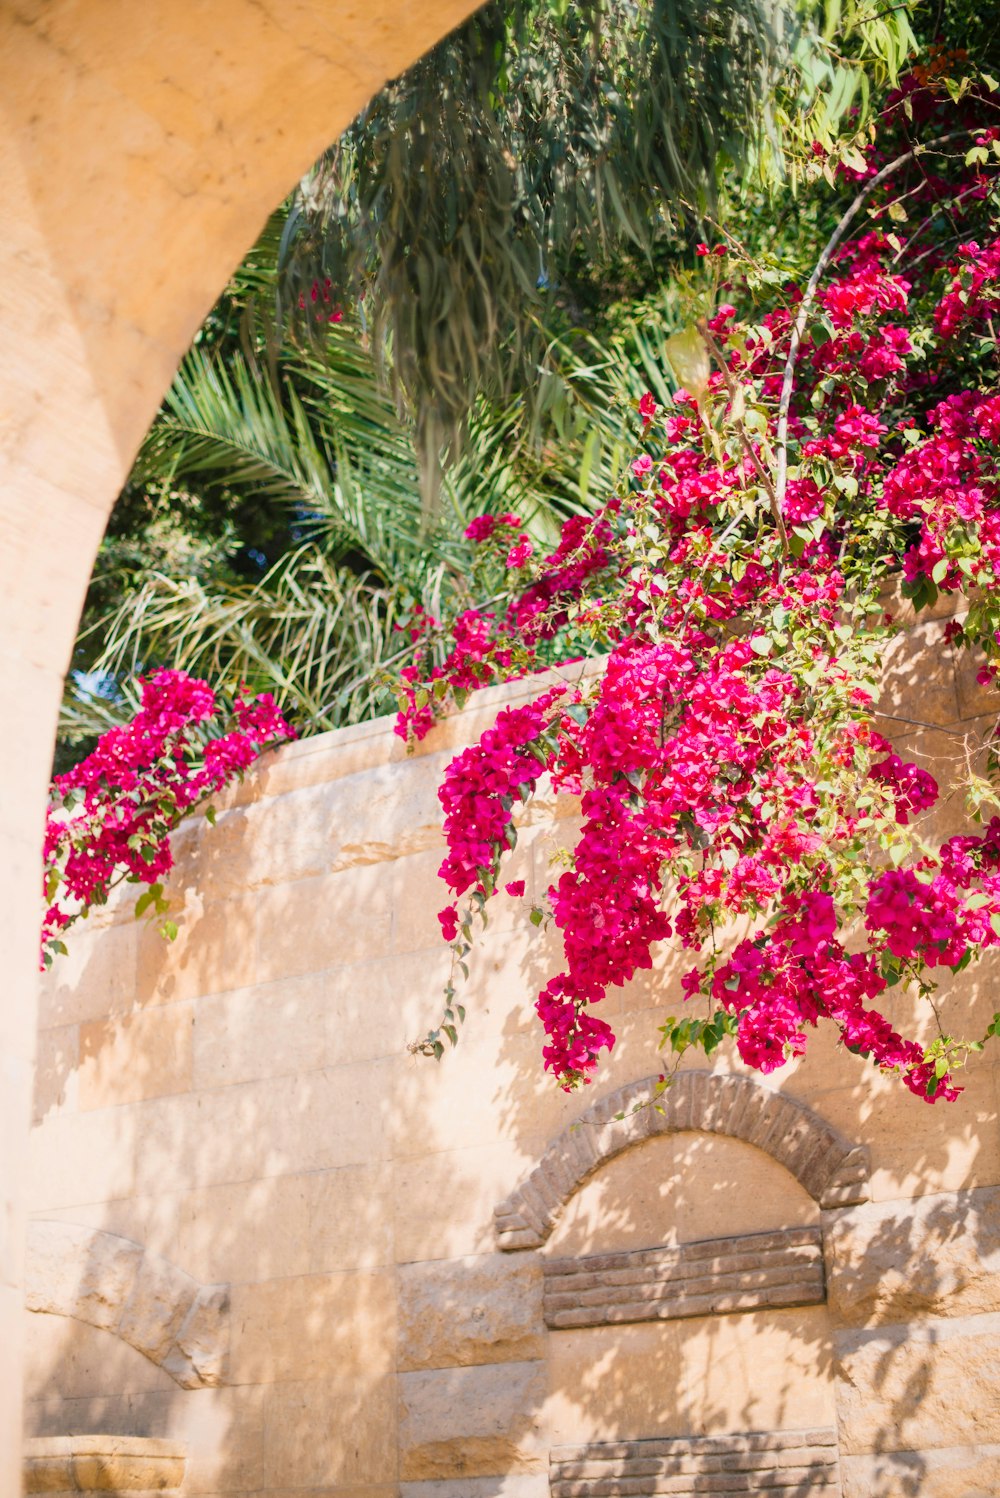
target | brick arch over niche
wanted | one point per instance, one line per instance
(143, 147)
(118, 1286)
(833, 1170)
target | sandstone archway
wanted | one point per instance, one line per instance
(141, 148)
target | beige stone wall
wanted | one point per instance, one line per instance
(142, 145)
(234, 1123)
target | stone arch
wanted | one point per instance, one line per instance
(832, 1169)
(143, 147)
(118, 1286)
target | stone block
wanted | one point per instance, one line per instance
(950, 1472)
(301, 1329)
(68, 1361)
(215, 950)
(320, 1120)
(469, 1311)
(223, 1430)
(915, 662)
(126, 1058)
(349, 1218)
(675, 1378)
(443, 1203)
(471, 1422)
(347, 916)
(161, 1299)
(376, 1007)
(899, 1261)
(199, 1353)
(97, 977)
(72, 1271)
(247, 1230)
(914, 1387)
(334, 1433)
(279, 1029)
(720, 1275)
(520, 1485)
(783, 1462)
(56, 1061)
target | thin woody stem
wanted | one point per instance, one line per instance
(809, 296)
(732, 391)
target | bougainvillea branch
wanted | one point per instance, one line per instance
(110, 817)
(738, 800)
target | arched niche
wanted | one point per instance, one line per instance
(684, 1288)
(833, 1170)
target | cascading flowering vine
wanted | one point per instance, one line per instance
(110, 817)
(737, 796)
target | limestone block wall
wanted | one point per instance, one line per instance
(310, 1262)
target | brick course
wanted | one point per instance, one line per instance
(801, 1463)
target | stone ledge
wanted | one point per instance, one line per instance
(102, 1464)
(715, 1276)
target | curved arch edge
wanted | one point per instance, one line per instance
(831, 1168)
(118, 1286)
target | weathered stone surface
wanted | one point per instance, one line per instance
(125, 1058)
(952, 1472)
(520, 1485)
(73, 1271)
(110, 1283)
(936, 1256)
(161, 1300)
(331, 1433)
(200, 1350)
(908, 1388)
(469, 1311)
(469, 1422)
(102, 1464)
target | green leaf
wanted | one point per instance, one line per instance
(150, 897)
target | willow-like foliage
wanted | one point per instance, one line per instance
(543, 135)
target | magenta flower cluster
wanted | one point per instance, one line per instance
(737, 799)
(110, 817)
